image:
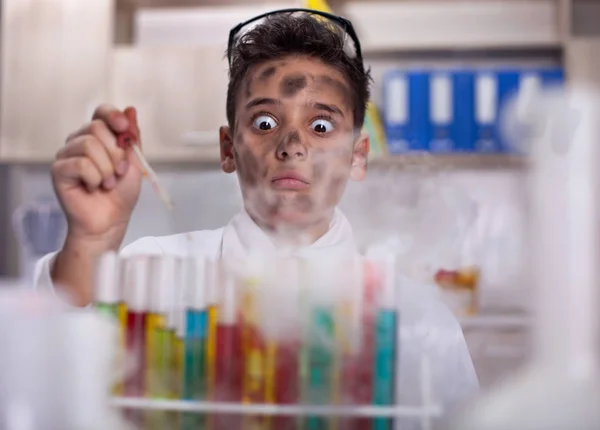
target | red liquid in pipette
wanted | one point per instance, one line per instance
(228, 374)
(131, 136)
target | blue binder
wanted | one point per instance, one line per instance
(486, 101)
(441, 112)
(406, 96)
(464, 110)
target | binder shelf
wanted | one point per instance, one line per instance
(428, 161)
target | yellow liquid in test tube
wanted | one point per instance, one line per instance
(174, 419)
(254, 356)
(211, 355)
(154, 323)
(122, 316)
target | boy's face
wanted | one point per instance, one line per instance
(293, 144)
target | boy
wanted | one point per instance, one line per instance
(295, 106)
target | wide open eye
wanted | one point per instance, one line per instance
(264, 122)
(322, 126)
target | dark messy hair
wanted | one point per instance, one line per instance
(283, 35)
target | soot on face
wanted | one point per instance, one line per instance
(291, 146)
(249, 166)
(291, 85)
(292, 137)
(324, 81)
(267, 73)
(303, 204)
(335, 190)
(261, 76)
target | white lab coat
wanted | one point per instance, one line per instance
(428, 328)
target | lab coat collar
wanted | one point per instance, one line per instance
(242, 238)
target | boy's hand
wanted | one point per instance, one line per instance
(98, 183)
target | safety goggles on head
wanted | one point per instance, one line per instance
(351, 43)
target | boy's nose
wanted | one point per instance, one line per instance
(291, 147)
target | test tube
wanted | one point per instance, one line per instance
(179, 315)
(107, 294)
(158, 339)
(385, 342)
(228, 360)
(213, 269)
(175, 366)
(213, 273)
(364, 383)
(283, 352)
(122, 308)
(194, 380)
(177, 320)
(136, 282)
(136, 288)
(357, 352)
(179, 346)
(108, 300)
(253, 345)
(320, 342)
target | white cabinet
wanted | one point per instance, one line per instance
(582, 57)
(179, 94)
(59, 60)
(55, 64)
(433, 25)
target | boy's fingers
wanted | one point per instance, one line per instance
(113, 117)
(90, 147)
(76, 169)
(100, 131)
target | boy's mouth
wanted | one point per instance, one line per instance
(289, 181)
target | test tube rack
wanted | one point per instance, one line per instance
(189, 278)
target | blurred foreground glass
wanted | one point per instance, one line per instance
(55, 366)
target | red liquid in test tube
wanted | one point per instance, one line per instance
(136, 357)
(287, 384)
(357, 368)
(228, 363)
(136, 289)
(288, 342)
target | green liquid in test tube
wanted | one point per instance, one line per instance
(319, 367)
(163, 271)
(321, 362)
(107, 295)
